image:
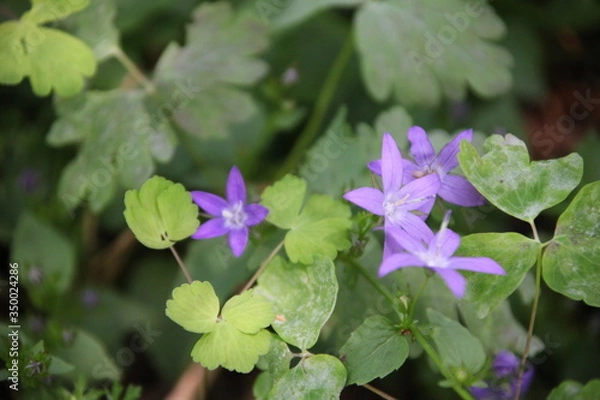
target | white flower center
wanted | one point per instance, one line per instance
(235, 217)
(392, 207)
(434, 260)
(434, 168)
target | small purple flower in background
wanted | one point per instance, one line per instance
(503, 385)
(435, 252)
(90, 298)
(396, 203)
(454, 189)
(29, 180)
(232, 216)
(35, 275)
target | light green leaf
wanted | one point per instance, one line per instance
(570, 262)
(194, 306)
(516, 185)
(571, 390)
(284, 200)
(95, 26)
(287, 286)
(293, 12)
(374, 350)
(226, 346)
(202, 77)
(421, 49)
(277, 361)
(119, 141)
(52, 59)
(457, 348)
(320, 377)
(38, 245)
(43, 11)
(248, 312)
(321, 228)
(160, 213)
(513, 251)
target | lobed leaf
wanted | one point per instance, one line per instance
(194, 306)
(318, 377)
(160, 213)
(570, 262)
(421, 49)
(119, 140)
(287, 286)
(203, 77)
(230, 348)
(508, 179)
(248, 312)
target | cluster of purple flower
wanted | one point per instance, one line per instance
(408, 195)
(503, 384)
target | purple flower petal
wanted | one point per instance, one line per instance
(210, 229)
(375, 167)
(399, 260)
(238, 239)
(447, 242)
(458, 190)
(409, 170)
(256, 214)
(447, 157)
(421, 148)
(209, 202)
(505, 363)
(236, 188)
(368, 198)
(391, 164)
(416, 227)
(419, 190)
(411, 239)
(390, 246)
(454, 280)
(477, 264)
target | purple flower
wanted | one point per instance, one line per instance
(503, 385)
(232, 216)
(396, 203)
(454, 189)
(435, 252)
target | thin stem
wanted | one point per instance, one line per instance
(311, 130)
(378, 286)
(262, 267)
(181, 264)
(135, 72)
(534, 307)
(411, 308)
(438, 362)
(378, 392)
(536, 236)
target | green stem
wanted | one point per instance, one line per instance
(135, 72)
(378, 286)
(438, 362)
(311, 130)
(181, 264)
(534, 307)
(262, 267)
(411, 308)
